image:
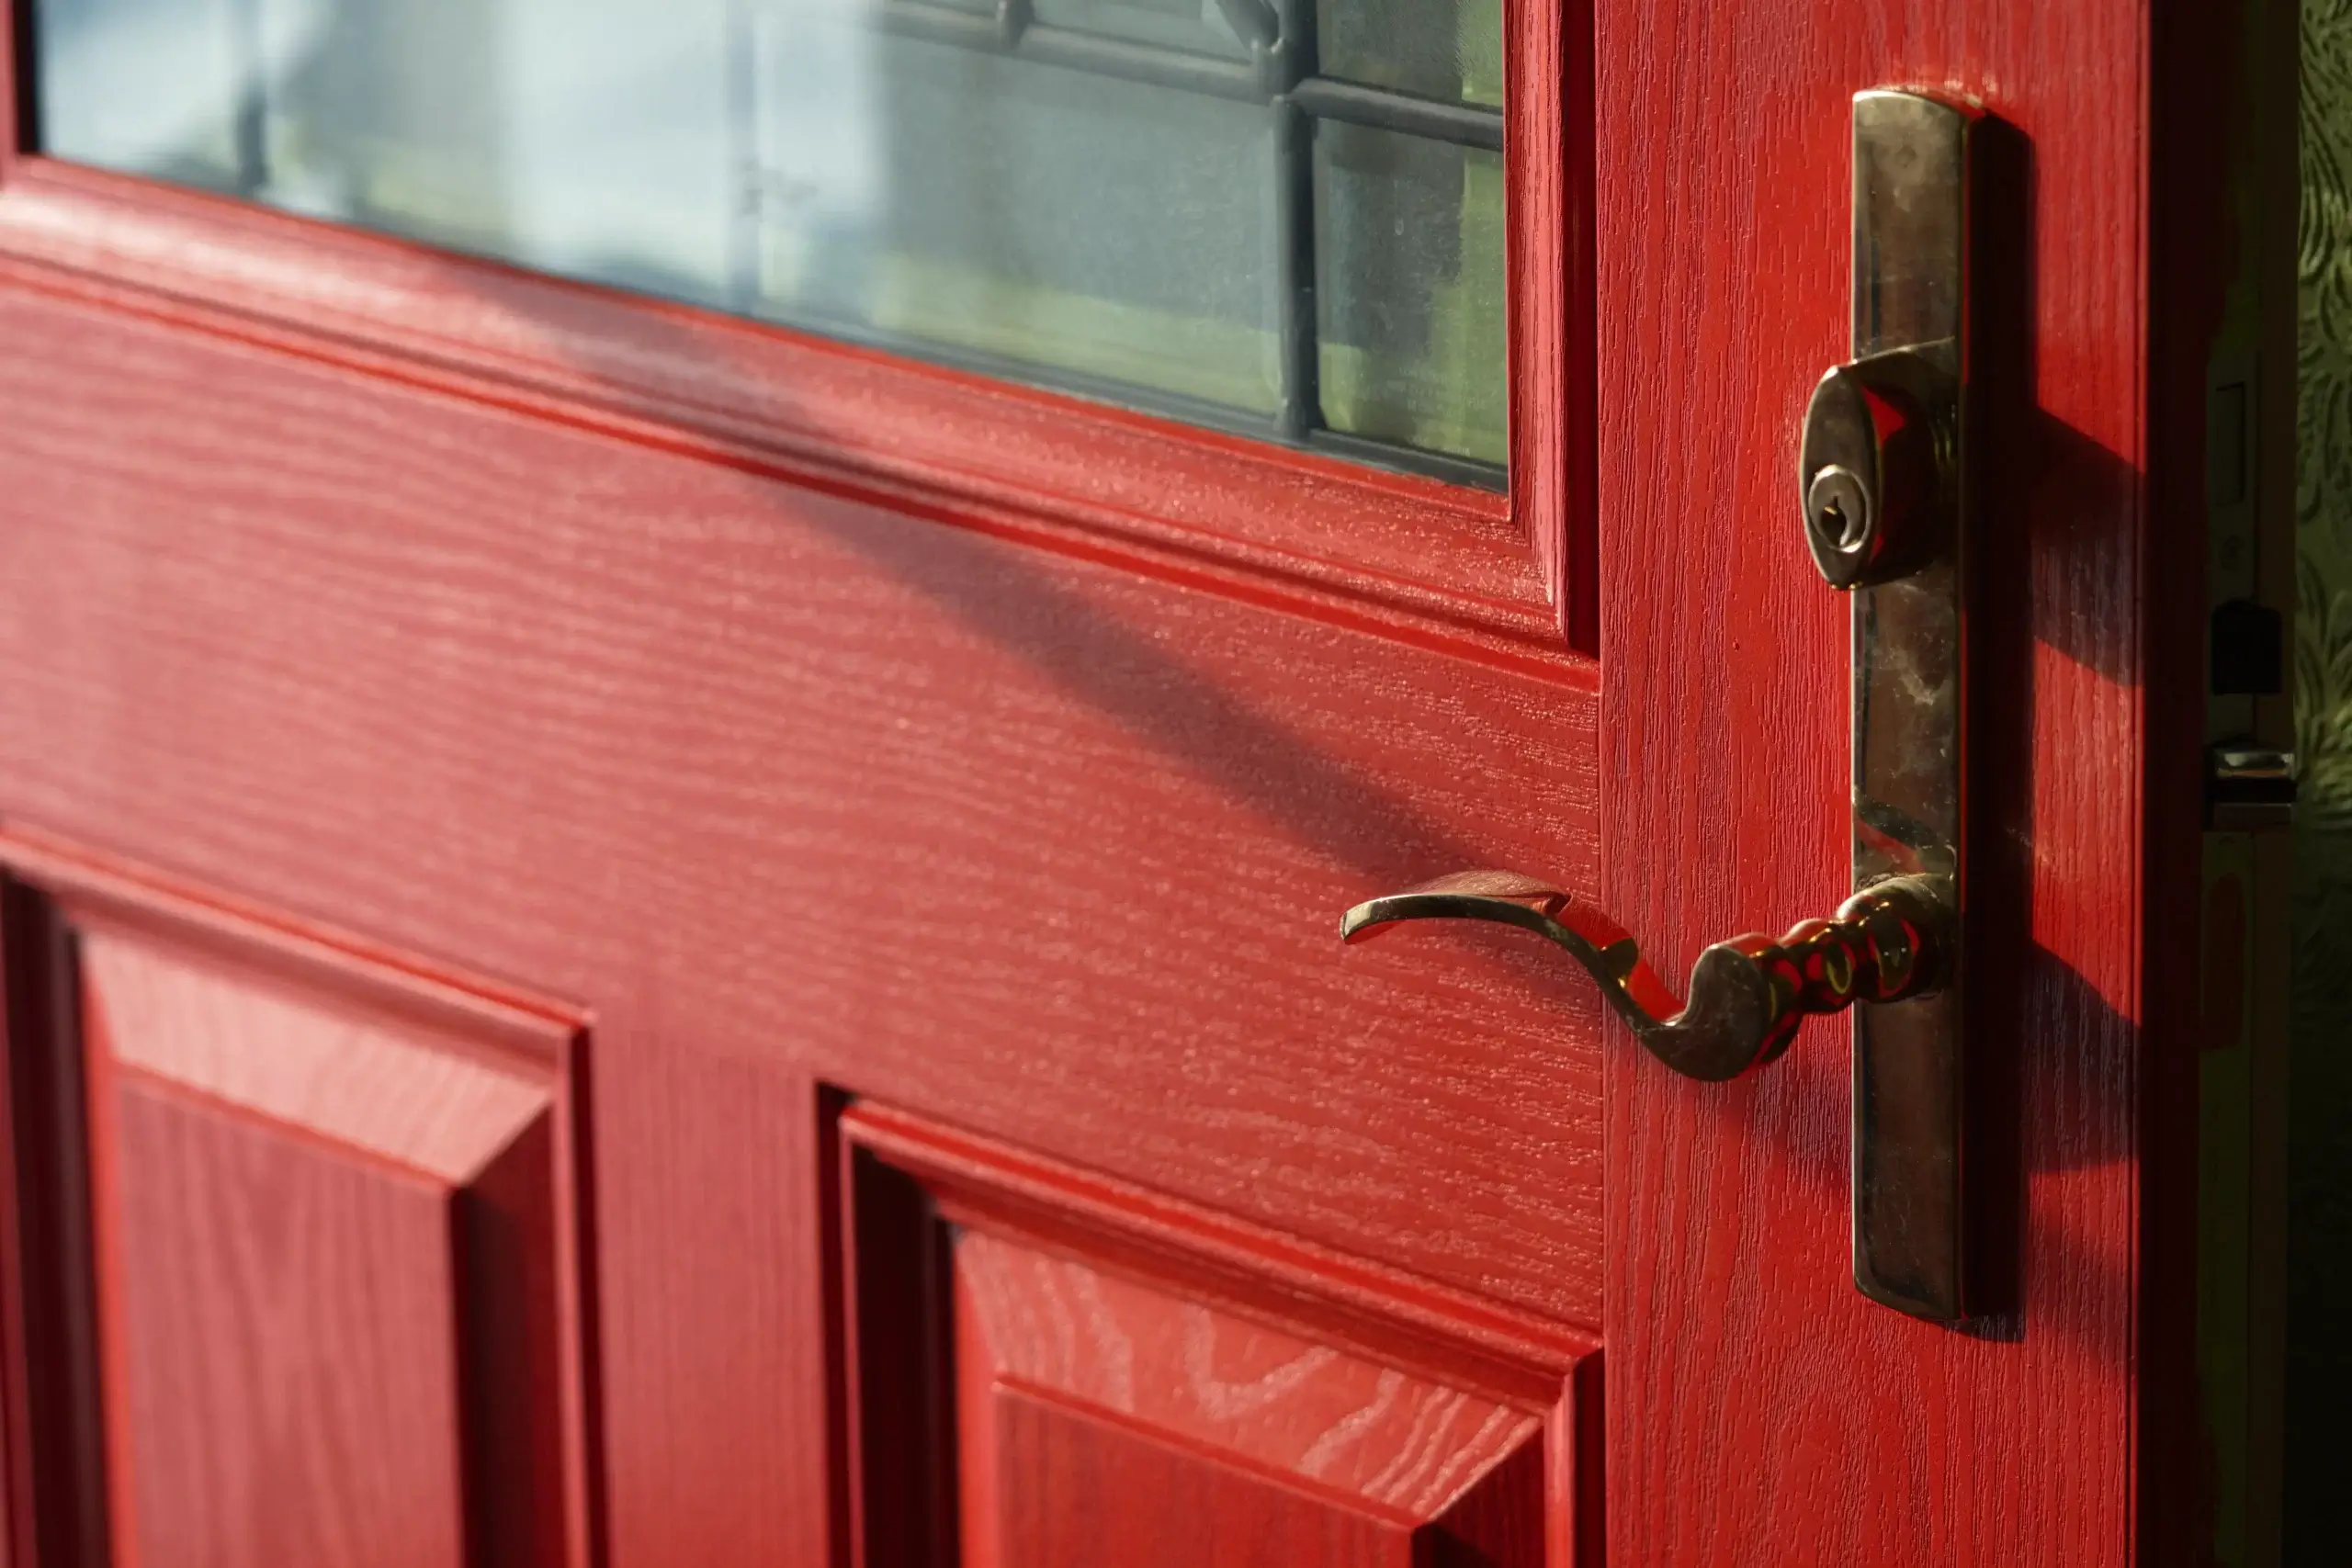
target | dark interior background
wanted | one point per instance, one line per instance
(2319, 1298)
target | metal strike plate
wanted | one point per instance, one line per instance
(1909, 663)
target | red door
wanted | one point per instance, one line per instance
(640, 936)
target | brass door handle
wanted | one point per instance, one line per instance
(1747, 995)
(1881, 478)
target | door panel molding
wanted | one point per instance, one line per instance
(336, 1205)
(996, 1307)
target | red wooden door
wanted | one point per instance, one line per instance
(637, 938)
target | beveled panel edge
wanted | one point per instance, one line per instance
(1402, 556)
(1374, 1309)
(934, 1176)
(1058, 1403)
(91, 882)
(164, 1089)
(74, 886)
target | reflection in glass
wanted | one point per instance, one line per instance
(1448, 50)
(1093, 194)
(153, 86)
(1177, 24)
(1110, 228)
(1408, 250)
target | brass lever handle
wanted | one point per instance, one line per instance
(1748, 994)
(1883, 477)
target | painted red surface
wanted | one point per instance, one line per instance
(1078, 1372)
(1759, 1410)
(936, 800)
(338, 1312)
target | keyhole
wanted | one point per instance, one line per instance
(1841, 509)
(1835, 524)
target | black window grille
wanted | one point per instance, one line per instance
(1280, 74)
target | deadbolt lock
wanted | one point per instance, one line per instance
(1876, 478)
(1880, 479)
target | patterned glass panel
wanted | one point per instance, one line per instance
(1447, 50)
(1124, 199)
(1408, 241)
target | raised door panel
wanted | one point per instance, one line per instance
(1046, 1370)
(335, 1279)
(283, 1325)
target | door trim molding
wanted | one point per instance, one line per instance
(1510, 578)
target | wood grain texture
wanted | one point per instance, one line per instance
(1321, 535)
(1390, 1314)
(343, 1075)
(713, 682)
(1759, 1409)
(1077, 1488)
(786, 789)
(286, 1349)
(813, 721)
(1045, 1389)
(1286, 1401)
(337, 1259)
(1507, 577)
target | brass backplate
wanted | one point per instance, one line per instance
(1910, 638)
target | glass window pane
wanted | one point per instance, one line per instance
(1177, 24)
(578, 136)
(1075, 221)
(1447, 50)
(1408, 249)
(1093, 194)
(150, 85)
